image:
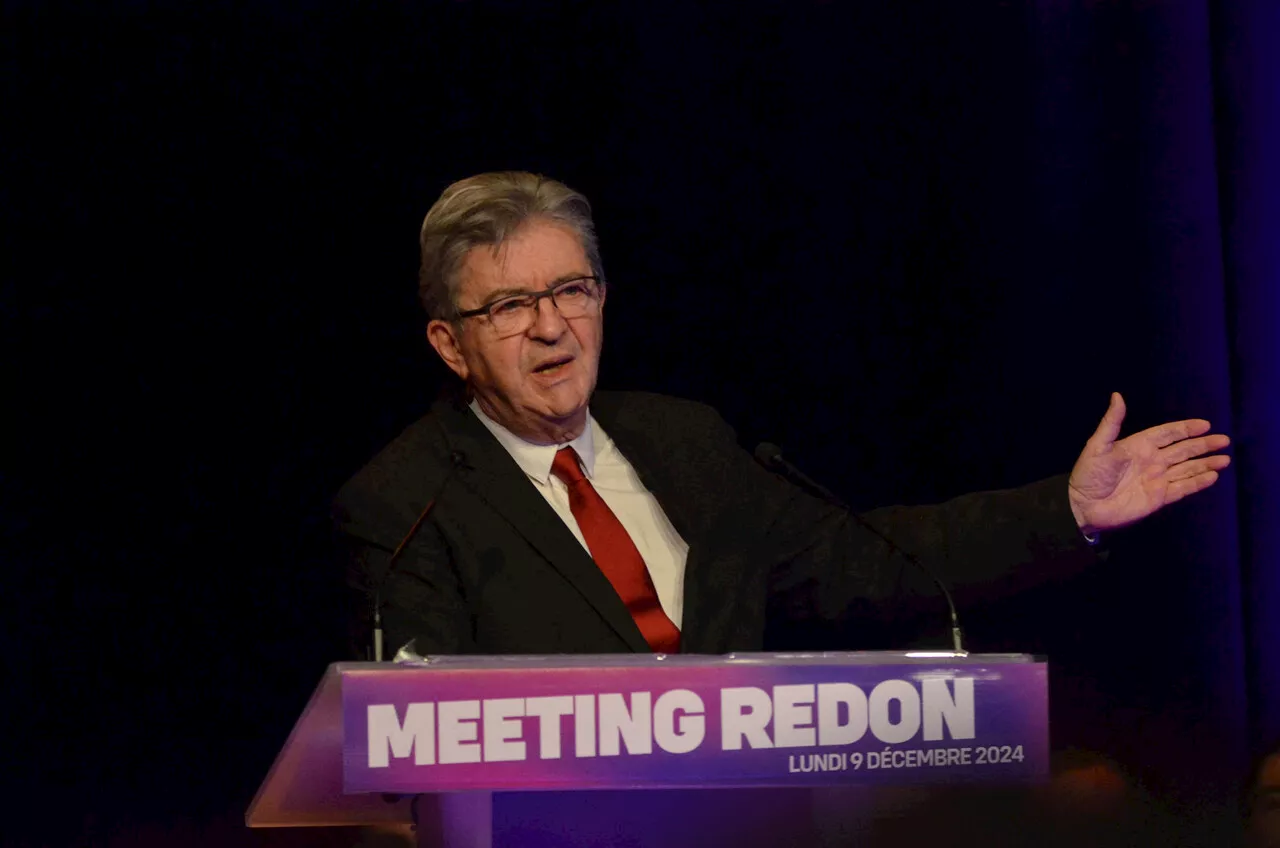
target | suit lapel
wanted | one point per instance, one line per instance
(488, 470)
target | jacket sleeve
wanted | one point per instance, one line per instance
(832, 580)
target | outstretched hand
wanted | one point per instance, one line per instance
(1115, 483)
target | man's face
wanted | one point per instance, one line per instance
(537, 383)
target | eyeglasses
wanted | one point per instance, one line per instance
(516, 313)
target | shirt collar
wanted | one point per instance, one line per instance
(535, 460)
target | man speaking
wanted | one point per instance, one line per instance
(532, 514)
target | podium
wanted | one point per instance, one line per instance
(639, 750)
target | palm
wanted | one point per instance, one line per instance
(1117, 482)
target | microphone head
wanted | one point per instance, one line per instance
(768, 454)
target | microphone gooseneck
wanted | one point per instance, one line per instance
(456, 460)
(770, 456)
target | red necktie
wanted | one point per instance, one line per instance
(616, 555)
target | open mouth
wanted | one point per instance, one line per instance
(552, 365)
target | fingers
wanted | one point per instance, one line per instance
(1164, 435)
(1181, 488)
(1109, 428)
(1191, 468)
(1188, 448)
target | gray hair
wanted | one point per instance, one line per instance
(487, 209)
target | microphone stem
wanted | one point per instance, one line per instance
(779, 464)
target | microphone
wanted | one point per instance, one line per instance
(456, 460)
(770, 456)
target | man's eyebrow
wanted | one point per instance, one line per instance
(564, 278)
(499, 294)
(509, 291)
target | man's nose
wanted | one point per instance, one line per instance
(548, 323)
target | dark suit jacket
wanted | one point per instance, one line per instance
(494, 570)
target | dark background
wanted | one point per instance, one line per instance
(915, 243)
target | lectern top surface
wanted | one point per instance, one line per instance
(406, 658)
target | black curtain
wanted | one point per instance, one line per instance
(915, 243)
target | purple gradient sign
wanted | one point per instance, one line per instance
(518, 723)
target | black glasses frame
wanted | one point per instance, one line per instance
(537, 296)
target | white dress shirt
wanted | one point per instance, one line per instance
(661, 547)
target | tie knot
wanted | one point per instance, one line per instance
(565, 466)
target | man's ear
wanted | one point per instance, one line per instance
(444, 338)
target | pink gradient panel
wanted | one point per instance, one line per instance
(1000, 734)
